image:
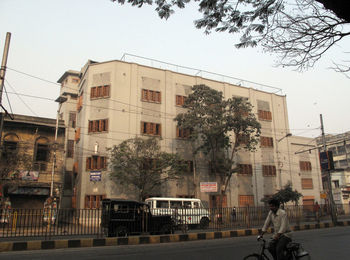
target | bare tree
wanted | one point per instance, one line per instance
(299, 31)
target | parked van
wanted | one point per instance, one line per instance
(187, 210)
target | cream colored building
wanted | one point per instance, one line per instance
(119, 100)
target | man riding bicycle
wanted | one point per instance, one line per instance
(282, 233)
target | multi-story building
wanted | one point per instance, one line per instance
(28, 176)
(118, 100)
(304, 169)
(339, 145)
(68, 112)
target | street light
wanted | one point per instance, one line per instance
(287, 135)
(60, 100)
(278, 159)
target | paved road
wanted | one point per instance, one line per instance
(323, 244)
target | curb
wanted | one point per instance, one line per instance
(139, 240)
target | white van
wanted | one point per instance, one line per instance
(189, 211)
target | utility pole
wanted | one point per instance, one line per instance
(329, 180)
(2, 79)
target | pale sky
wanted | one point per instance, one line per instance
(52, 36)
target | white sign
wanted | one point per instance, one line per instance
(209, 187)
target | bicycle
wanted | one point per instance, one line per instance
(293, 250)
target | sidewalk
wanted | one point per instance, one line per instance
(148, 239)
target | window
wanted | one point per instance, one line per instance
(269, 170)
(80, 102)
(151, 128)
(336, 184)
(306, 184)
(100, 92)
(72, 119)
(243, 139)
(70, 148)
(305, 166)
(77, 135)
(266, 141)
(98, 125)
(180, 100)
(151, 96)
(246, 200)
(245, 169)
(10, 146)
(42, 151)
(96, 163)
(343, 163)
(182, 133)
(93, 201)
(75, 80)
(341, 150)
(264, 115)
(189, 166)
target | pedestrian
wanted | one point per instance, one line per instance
(317, 209)
(233, 214)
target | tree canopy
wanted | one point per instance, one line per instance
(219, 128)
(140, 163)
(298, 31)
(286, 194)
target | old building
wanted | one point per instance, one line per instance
(28, 175)
(340, 176)
(119, 100)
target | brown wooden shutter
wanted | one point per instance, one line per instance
(177, 131)
(160, 129)
(88, 163)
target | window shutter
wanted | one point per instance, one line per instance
(106, 125)
(99, 165)
(159, 97)
(87, 201)
(142, 127)
(88, 160)
(159, 129)
(177, 131)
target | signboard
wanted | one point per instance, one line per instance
(29, 191)
(95, 176)
(208, 186)
(323, 195)
(29, 175)
(326, 160)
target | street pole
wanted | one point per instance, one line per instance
(329, 180)
(2, 78)
(54, 152)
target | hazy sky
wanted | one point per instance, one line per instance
(50, 37)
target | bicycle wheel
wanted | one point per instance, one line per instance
(254, 257)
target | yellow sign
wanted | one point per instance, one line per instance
(323, 195)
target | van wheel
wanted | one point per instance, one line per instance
(204, 223)
(121, 231)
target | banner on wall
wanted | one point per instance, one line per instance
(209, 187)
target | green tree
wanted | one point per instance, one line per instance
(219, 127)
(140, 163)
(286, 194)
(299, 31)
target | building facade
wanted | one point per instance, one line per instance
(28, 176)
(68, 113)
(118, 100)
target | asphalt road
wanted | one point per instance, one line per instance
(329, 243)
